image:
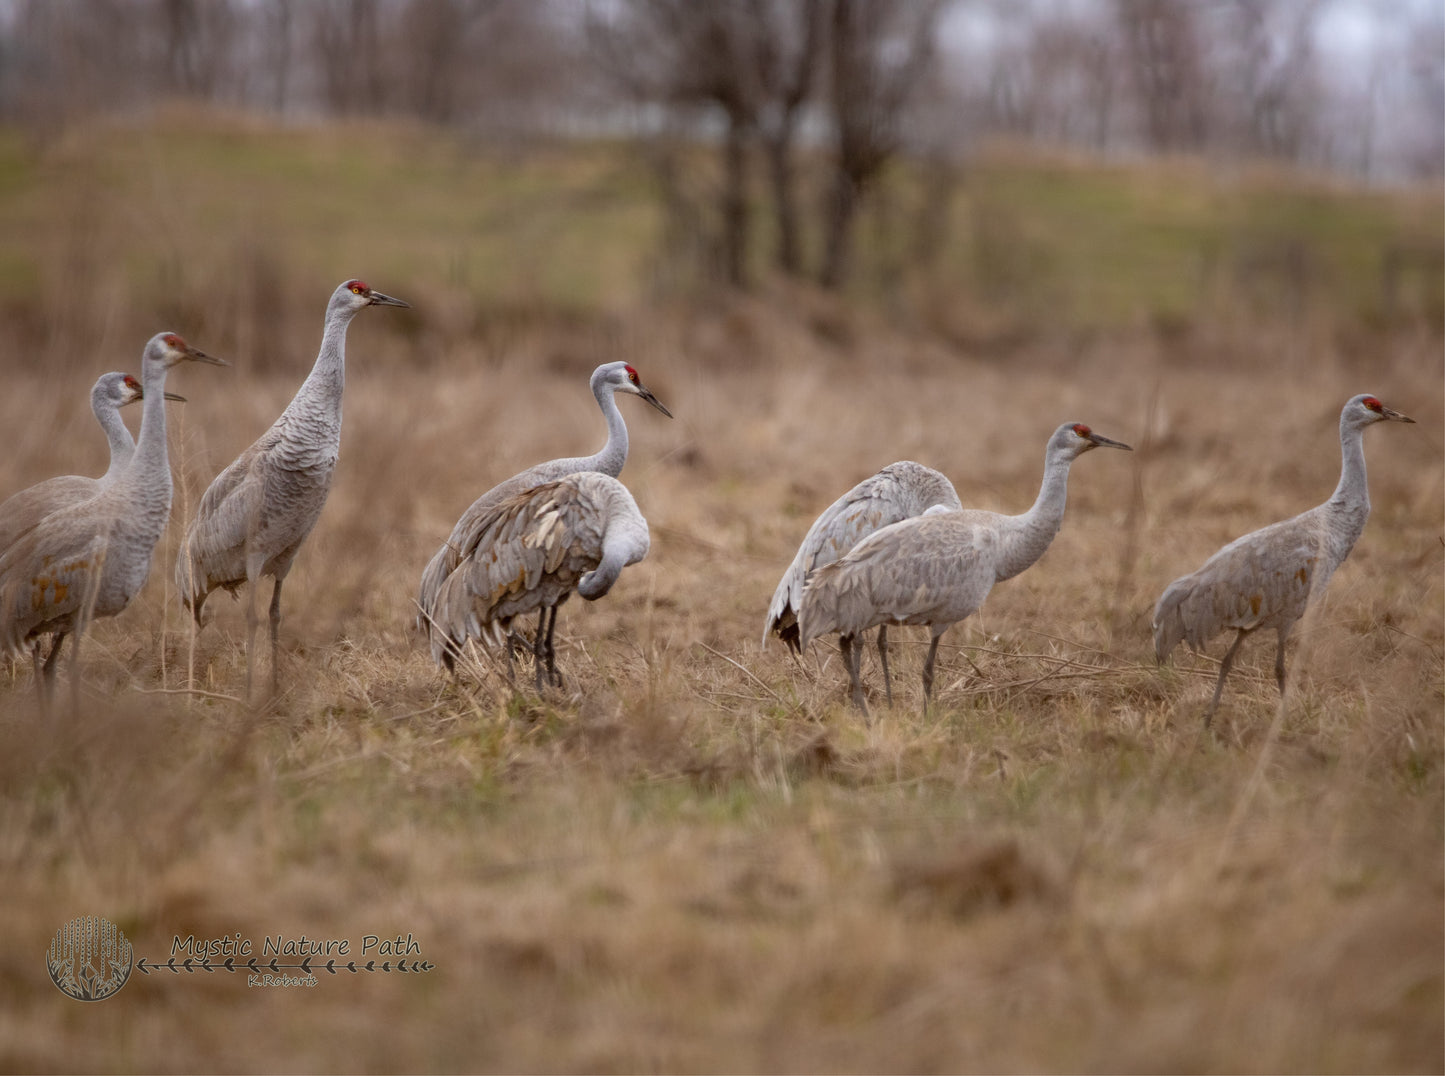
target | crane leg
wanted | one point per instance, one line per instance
(250, 631)
(1279, 660)
(928, 671)
(511, 659)
(539, 659)
(883, 657)
(42, 686)
(74, 670)
(52, 661)
(853, 660)
(275, 625)
(1224, 667)
(514, 647)
(552, 675)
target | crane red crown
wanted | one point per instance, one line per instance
(130, 382)
(1082, 430)
(1373, 404)
(631, 374)
(357, 287)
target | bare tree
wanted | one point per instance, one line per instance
(1269, 89)
(346, 41)
(695, 57)
(275, 32)
(788, 42)
(878, 52)
(1425, 74)
(1162, 52)
(438, 41)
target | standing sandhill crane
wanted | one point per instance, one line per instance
(29, 506)
(1267, 578)
(25, 509)
(257, 512)
(88, 559)
(529, 552)
(899, 491)
(607, 380)
(937, 569)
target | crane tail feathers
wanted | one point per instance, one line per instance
(1169, 628)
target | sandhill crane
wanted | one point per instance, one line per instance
(607, 380)
(88, 559)
(29, 506)
(936, 569)
(899, 491)
(529, 552)
(257, 512)
(1267, 578)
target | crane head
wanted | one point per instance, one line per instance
(355, 294)
(620, 377)
(1366, 409)
(1075, 438)
(127, 390)
(169, 349)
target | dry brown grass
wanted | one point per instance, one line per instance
(698, 858)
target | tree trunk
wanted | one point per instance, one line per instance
(779, 148)
(735, 215)
(838, 236)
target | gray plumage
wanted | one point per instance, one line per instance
(606, 381)
(1267, 578)
(899, 491)
(29, 506)
(529, 553)
(88, 559)
(937, 569)
(255, 514)
(25, 509)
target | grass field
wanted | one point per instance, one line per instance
(697, 857)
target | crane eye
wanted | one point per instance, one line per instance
(172, 340)
(1082, 430)
(632, 375)
(358, 288)
(1373, 404)
(131, 383)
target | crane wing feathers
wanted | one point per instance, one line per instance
(28, 507)
(213, 551)
(467, 532)
(529, 552)
(48, 575)
(899, 491)
(1264, 579)
(929, 570)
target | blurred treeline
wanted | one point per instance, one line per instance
(978, 167)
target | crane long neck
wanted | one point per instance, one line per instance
(1351, 499)
(323, 386)
(1029, 536)
(122, 446)
(614, 453)
(149, 473)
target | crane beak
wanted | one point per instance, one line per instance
(647, 395)
(197, 355)
(1099, 441)
(1395, 416)
(378, 299)
(175, 396)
